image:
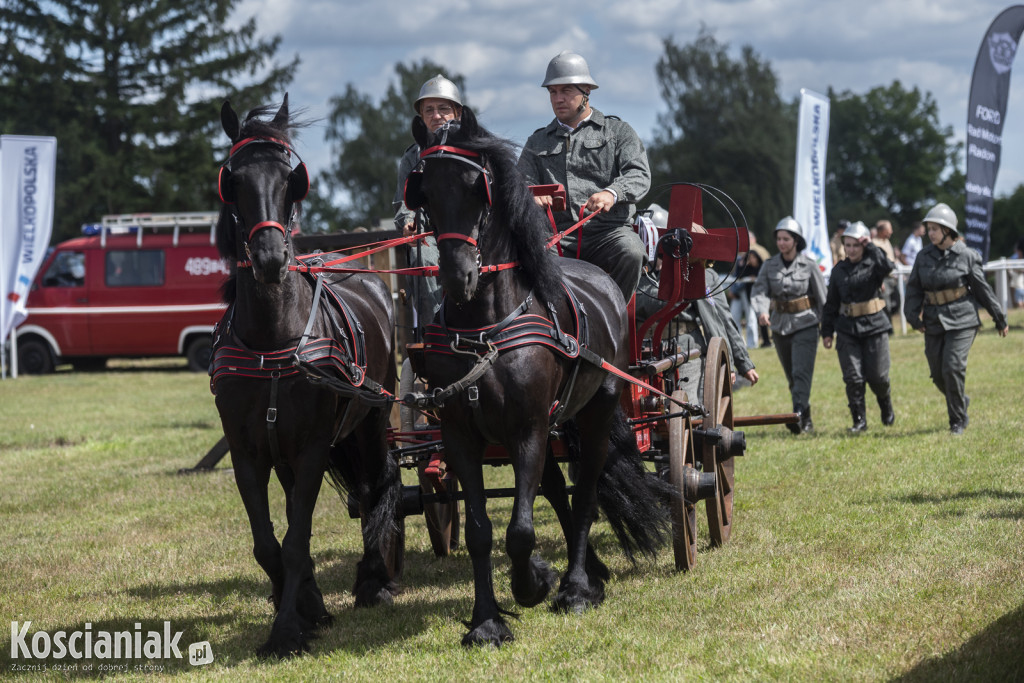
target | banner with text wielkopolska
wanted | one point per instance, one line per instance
(986, 113)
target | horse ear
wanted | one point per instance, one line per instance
(229, 120)
(281, 119)
(468, 123)
(224, 188)
(420, 132)
(298, 183)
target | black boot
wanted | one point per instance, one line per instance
(884, 402)
(806, 426)
(855, 399)
(794, 426)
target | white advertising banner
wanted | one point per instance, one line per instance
(27, 167)
(809, 183)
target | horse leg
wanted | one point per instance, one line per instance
(302, 608)
(580, 589)
(553, 486)
(383, 527)
(252, 480)
(487, 627)
(531, 577)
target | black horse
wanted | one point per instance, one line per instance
(505, 362)
(284, 341)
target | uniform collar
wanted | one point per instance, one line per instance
(596, 118)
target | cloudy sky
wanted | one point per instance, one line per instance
(503, 46)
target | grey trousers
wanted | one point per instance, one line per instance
(796, 353)
(618, 251)
(947, 360)
(691, 373)
(864, 359)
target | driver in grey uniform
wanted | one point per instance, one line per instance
(603, 166)
(439, 102)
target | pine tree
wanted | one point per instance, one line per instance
(132, 91)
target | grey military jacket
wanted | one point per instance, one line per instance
(940, 269)
(603, 153)
(776, 280)
(712, 314)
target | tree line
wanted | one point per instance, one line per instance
(132, 90)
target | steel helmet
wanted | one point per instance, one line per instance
(568, 68)
(790, 225)
(941, 214)
(441, 88)
(857, 231)
(659, 216)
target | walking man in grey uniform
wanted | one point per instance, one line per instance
(603, 166)
(439, 102)
(943, 293)
(855, 313)
(791, 288)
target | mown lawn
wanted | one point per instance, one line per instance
(898, 554)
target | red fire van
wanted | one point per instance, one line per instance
(134, 285)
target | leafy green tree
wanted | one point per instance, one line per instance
(132, 90)
(1006, 223)
(726, 126)
(889, 157)
(367, 140)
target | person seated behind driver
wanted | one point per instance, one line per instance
(603, 166)
(438, 103)
(697, 323)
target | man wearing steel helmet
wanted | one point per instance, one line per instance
(945, 288)
(438, 103)
(791, 288)
(603, 166)
(855, 315)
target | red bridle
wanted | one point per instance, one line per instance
(465, 156)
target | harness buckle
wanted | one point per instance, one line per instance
(271, 415)
(473, 394)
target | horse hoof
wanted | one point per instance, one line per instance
(371, 594)
(283, 647)
(539, 581)
(491, 633)
(575, 600)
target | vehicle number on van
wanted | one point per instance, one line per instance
(205, 266)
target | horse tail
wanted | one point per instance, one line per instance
(351, 478)
(634, 500)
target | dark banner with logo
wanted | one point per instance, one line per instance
(990, 87)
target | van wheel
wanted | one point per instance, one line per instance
(198, 353)
(35, 357)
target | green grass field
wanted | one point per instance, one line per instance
(898, 554)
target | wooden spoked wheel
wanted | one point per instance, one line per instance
(718, 403)
(442, 518)
(684, 512)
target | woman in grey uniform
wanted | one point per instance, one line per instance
(943, 294)
(855, 315)
(790, 287)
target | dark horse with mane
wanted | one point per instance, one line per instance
(505, 360)
(302, 370)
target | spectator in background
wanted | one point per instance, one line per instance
(912, 245)
(748, 266)
(1017, 275)
(890, 292)
(836, 243)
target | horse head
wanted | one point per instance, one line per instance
(259, 189)
(455, 189)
